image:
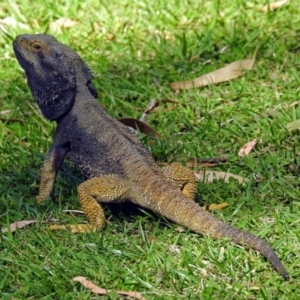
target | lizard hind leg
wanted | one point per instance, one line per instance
(184, 179)
(107, 188)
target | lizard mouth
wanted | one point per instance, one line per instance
(25, 57)
(17, 49)
(21, 57)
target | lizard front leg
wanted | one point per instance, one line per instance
(107, 188)
(49, 170)
(184, 179)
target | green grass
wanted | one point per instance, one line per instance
(135, 48)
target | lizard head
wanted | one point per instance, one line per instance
(50, 68)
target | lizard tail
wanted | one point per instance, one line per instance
(254, 242)
(189, 214)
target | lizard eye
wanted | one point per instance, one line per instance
(37, 47)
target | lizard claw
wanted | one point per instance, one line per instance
(215, 206)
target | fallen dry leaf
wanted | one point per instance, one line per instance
(227, 122)
(63, 23)
(180, 229)
(5, 112)
(153, 104)
(273, 6)
(151, 239)
(210, 176)
(294, 104)
(293, 125)
(73, 211)
(269, 113)
(97, 290)
(247, 148)
(141, 126)
(227, 73)
(11, 22)
(20, 224)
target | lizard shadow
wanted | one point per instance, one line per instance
(21, 188)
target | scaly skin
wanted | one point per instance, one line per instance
(111, 157)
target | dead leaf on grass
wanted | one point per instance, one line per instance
(5, 112)
(152, 105)
(296, 103)
(227, 122)
(20, 224)
(97, 290)
(210, 176)
(141, 126)
(293, 125)
(231, 71)
(180, 229)
(63, 23)
(73, 211)
(11, 22)
(269, 113)
(247, 148)
(273, 6)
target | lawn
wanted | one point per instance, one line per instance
(136, 49)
